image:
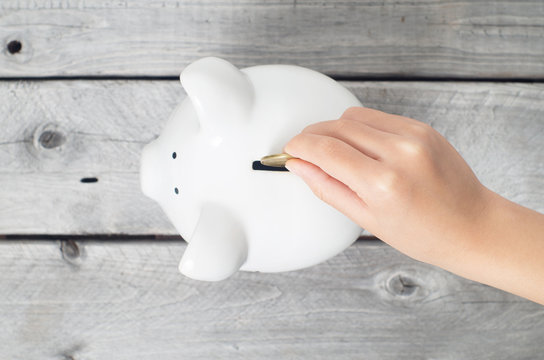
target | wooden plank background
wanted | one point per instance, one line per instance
(84, 84)
(62, 131)
(436, 38)
(127, 301)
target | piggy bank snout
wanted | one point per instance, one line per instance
(152, 179)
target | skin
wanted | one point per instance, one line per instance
(406, 184)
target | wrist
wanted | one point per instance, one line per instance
(506, 248)
(473, 239)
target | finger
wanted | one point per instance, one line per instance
(394, 124)
(368, 140)
(336, 158)
(330, 190)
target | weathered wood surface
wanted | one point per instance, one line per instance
(55, 133)
(127, 301)
(444, 38)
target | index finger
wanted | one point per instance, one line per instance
(336, 158)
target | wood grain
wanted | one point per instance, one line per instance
(127, 301)
(55, 133)
(437, 38)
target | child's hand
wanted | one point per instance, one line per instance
(396, 177)
(402, 181)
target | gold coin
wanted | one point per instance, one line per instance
(276, 160)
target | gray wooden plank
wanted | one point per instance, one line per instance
(127, 301)
(496, 39)
(98, 128)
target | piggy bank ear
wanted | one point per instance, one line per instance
(221, 94)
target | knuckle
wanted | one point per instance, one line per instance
(422, 131)
(412, 148)
(352, 111)
(388, 182)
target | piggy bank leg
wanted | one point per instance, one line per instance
(217, 249)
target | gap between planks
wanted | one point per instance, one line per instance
(337, 77)
(424, 38)
(56, 133)
(123, 238)
(85, 301)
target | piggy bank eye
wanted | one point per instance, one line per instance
(176, 190)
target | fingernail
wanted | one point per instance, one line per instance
(290, 168)
(287, 165)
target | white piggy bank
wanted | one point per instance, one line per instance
(200, 170)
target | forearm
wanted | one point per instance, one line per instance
(508, 250)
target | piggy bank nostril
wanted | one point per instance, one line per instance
(151, 181)
(176, 190)
(174, 155)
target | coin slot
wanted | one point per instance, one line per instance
(258, 166)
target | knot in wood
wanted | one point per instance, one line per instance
(50, 139)
(14, 46)
(402, 285)
(71, 353)
(69, 249)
